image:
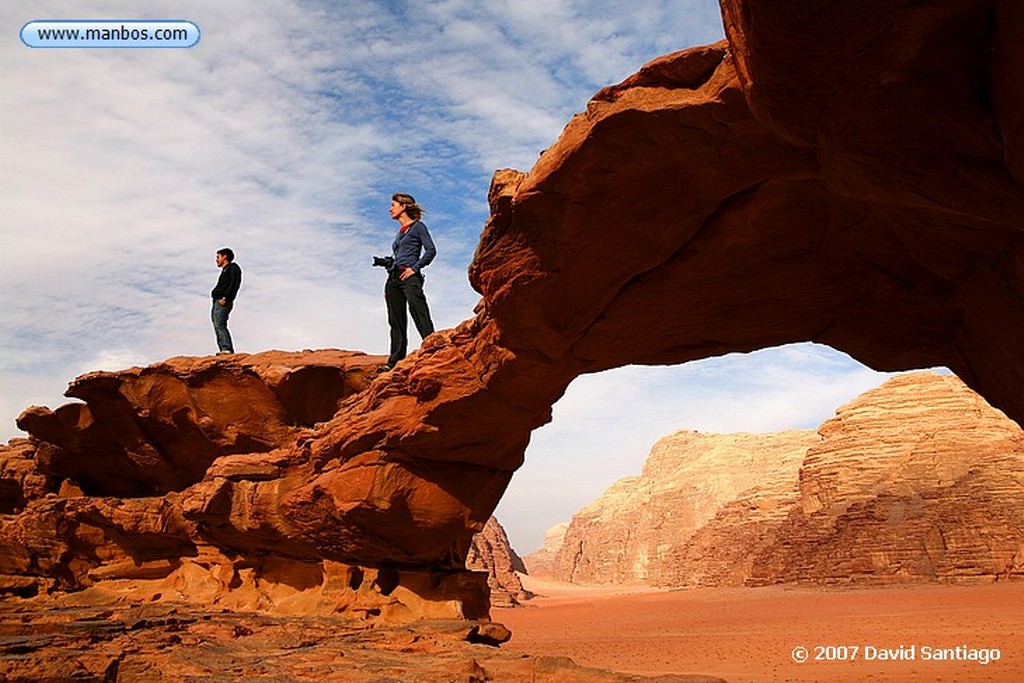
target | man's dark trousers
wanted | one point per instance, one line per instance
(398, 294)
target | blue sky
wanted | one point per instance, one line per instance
(283, 134)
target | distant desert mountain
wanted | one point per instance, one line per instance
(491, 552)
(542, 562)
(917, 480)
(627, 534)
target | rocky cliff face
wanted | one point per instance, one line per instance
(492, 553)
(723, 551)
(634, 528)
(917, 480)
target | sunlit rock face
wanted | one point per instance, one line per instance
(631, 533)
(492, 553)
(541, 562)
(918, 480)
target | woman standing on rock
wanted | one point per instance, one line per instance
(412, 250)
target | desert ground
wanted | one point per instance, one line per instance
(757, 634)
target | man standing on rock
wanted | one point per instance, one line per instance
(224, 298)
(411, 251)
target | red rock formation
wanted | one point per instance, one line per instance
(847, 176)
(167, 485)
(20, 479)
(148, 431)
(851, 177)
(492, 553)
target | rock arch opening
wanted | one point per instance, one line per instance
(605, 424)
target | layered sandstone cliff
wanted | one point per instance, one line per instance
(541, 562)
(630, 532)
(492, 553)
(917, 480)
(723, 551)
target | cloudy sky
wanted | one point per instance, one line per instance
(283, 134)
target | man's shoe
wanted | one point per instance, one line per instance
(384, 368)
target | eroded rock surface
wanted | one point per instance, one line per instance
(918, 480)
(169, 643)
(166, 484)
(630, 533)
(149, 431)
(491, 552)
(846, 177)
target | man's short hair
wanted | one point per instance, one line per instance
(227, 253)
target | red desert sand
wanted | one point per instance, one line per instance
(900, 633)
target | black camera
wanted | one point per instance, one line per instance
(384, 261)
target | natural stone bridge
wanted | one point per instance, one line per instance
(845, 175)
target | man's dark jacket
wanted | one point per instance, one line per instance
(228, 283)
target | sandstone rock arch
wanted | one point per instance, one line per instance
(846, 176)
